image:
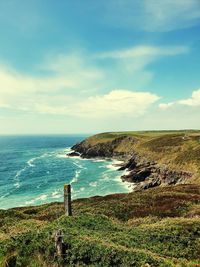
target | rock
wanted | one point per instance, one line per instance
(73, 154)
(142, 171)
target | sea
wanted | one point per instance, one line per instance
(34, 169)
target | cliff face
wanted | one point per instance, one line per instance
(152, 159)
(146, 173)
(104, 149)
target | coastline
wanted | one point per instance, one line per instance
(116, 164)
(141, 169)
(110, 179)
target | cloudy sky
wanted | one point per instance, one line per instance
(92, 66)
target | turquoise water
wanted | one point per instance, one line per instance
(33, 170)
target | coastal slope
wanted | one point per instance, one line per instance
(156, 227)
(152, 158)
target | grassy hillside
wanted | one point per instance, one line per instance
(180, 150)
(156, 227)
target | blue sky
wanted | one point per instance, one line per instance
(92, 66)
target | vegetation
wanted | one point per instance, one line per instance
(156, 227)
(180, 150)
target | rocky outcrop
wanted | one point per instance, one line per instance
(73, 154)
(106, 150)
(146, 174)
(143, 172)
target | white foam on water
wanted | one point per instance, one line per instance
(105, 176)
(18, 174)
(16, 179)
(42, 197)
(75, 157)
(65, 154)
(29, 202)
(82, 189)
(99, 160)
(76, 192)
(111, 167)
(68, 150)
(75, 178)
(80, 166)
(93, 184)
(56, 194)
(114, 165)
(128, 185)
(17, 185)
(7, 194)
(30, 162)
(61, 156)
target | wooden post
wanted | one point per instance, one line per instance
(67, 199)
(59, 243)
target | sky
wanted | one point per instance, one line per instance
(94, 66)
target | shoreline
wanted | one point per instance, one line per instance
(117, 164)
(111, 164)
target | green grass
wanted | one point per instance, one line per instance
(179, 150)
(159, 226)
(155, 227)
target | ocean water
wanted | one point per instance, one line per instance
(33, 170)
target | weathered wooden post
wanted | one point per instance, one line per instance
(67, 200)
(59, 243)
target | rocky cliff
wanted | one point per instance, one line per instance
(152, 159)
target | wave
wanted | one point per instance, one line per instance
(7, 194)
(30, 162)
(17, 185)
(115, 165)
(82, 189)
(105, 176)
(80, 166)
(61, 156)
(75, 178)
(56, 194)
(18, 174)
(17, 178)
(99, 160)
(40, 198)
(93, 184)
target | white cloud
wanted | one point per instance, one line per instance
(166, 105)
(15, 83)
(169, 14)
(134, 60)
(115, 103)
(145, 51)
(192, 101)
(60, 78)
(66, 73)
(78, 75)
(153, 15)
